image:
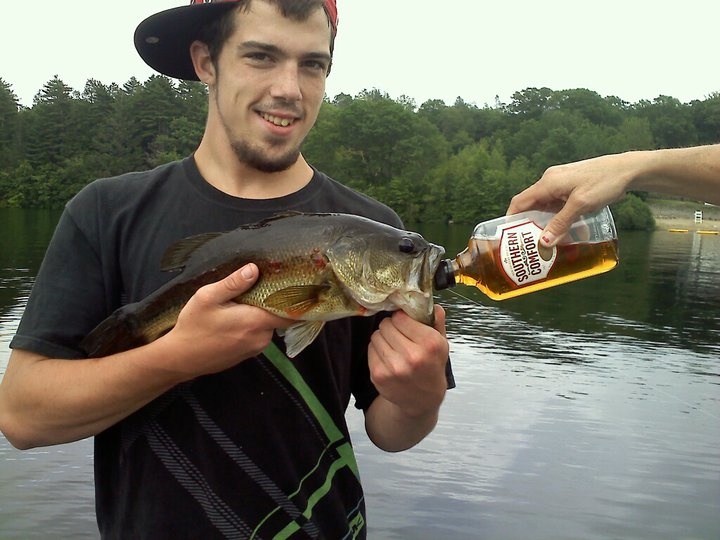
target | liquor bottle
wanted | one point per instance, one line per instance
(504, 258)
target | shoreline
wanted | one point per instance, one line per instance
(663, 223)
(682, 218)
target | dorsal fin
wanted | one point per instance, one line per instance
(286, 214)
(178, 254)
(275, 217)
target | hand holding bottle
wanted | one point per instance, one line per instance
(570, 190)
(573, 189)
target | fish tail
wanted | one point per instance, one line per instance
(119, 332)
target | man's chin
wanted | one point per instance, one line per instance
(264, 162)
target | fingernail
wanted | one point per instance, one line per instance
(247, 272)
(547, 239)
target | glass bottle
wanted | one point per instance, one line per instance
(504, 258)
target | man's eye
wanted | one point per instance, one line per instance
(316, 64)
(258, 57)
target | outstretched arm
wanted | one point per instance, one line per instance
(577, 188)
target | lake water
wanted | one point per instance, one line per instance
(588, 411)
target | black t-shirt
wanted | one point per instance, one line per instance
(261, 449)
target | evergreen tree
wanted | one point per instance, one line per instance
(9, 126)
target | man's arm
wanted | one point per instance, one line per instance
(47, 401)
(407, 366)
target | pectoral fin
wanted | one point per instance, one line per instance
(296, 300)
(300, 335)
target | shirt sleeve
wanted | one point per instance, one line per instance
(69, 296)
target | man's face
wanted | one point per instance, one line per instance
(270, 83)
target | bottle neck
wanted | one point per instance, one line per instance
(445, 275)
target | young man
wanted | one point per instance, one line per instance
(201, 434)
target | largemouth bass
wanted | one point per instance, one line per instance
(313, 268)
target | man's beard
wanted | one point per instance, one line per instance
(256, 158)
(253, 155)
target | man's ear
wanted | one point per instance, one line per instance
(204, 67)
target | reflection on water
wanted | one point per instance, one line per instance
(587, 411)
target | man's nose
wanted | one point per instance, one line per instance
(286, 84)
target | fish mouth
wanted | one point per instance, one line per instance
(417, 299)
(433, 262)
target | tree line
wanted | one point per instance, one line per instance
(432, 162)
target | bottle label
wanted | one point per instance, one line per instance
(522, 261)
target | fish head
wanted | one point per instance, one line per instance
(388, 269)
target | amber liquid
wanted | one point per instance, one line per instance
(479, 266)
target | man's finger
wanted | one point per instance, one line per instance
(233, 285)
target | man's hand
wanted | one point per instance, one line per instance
(213, 332)
(407, 362)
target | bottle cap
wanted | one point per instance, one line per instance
(444, 276)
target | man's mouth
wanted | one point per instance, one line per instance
(277, 120)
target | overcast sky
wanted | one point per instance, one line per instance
(632, 49)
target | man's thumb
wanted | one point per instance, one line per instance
(239, 281)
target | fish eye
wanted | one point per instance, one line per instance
(406, 245)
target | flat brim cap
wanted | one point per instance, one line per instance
(163, 39)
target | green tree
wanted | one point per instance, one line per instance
(478, 183)
(632, 134)
(530, 103)
(359, 140)
(152, 109)
(117, 143)
(670, 121)
(9, 126)
(589, 106)
(52, 125)
(632, 214)
(706, 118)
(462, 123)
